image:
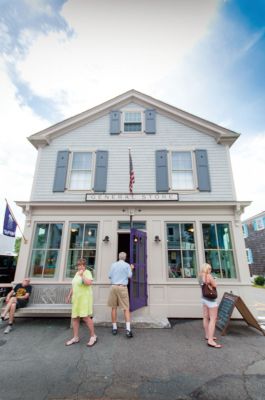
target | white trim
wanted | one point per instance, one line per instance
(57, 270)
(133, 133)
(69, 170)
(68, 234)
(232, 234)
(183, 279)
(194, 172)
(221, 134)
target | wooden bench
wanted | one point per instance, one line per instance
(47, 301)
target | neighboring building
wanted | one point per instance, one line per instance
(7, 245)
(254, 234)
(183, 209)
(7, 261)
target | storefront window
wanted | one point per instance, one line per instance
(45, 252)
(219, 250)
(83, 242)
(181, 251)
(125, 225)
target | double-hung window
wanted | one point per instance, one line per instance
(132, 121)
(45, 250)
(182, 170)
(81, 171)
(218, 249)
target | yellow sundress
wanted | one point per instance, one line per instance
(82, 298)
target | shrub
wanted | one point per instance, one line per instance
(259, 280)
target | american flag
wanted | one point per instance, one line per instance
(132, 178)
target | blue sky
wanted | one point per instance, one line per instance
(61, 57)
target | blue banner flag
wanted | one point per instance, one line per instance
(10, 225)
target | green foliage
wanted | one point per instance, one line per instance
(259, 280)
(17, 246)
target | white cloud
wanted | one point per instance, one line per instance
(148, 45)
(39, 6)
(17, 155)
(252, 41)
(5, 40)
(248, 163)
(117, 46)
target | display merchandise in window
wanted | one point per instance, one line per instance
(45, 250)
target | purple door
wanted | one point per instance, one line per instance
(138, 282)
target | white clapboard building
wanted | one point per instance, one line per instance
(183, 210)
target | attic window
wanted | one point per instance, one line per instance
(132, 121)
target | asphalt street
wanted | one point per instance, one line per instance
(156, 364)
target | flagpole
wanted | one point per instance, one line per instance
(25, 240)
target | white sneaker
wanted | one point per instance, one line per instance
(8, 329)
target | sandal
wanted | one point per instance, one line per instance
(74, 340)
(215, 346)
(93, 340)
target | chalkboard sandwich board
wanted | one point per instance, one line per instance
(228, 303)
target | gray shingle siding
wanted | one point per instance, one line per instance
(256, 242)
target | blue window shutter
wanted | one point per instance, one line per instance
(204, 184)
(245, 230)
(100, 184)
(150, 121)
(254, 225)
(161, 171)
(250, 256)
(61, 171)
(115, 123)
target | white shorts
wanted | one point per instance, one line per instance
(210, 304)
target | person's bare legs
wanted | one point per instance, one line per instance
(8, 306)
(76, 323)
(12, 311)
(206, 320)
(90, 324)
(211, 327)
(114, 315)
(127, 316)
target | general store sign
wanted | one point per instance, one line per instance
(132, 197)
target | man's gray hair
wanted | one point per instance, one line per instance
(122, 256)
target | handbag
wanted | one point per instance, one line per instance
(208, 291)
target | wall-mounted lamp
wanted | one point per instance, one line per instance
(135, 239)
(157, 239)
(106, 239)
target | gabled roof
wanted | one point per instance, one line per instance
(260, 215)
(222, 135)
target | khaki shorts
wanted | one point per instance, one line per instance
(119, 297)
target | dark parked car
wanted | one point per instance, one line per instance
(7, 272)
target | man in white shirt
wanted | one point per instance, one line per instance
(119, 274)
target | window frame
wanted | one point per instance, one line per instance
(193, 165)
(133, 133)
(95, 272)
(250, 258)
(70, 169)
(29, 266)
(245, 230)
(196, 243)
(236, 278)
(127, 229)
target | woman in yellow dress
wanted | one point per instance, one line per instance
(82, 303)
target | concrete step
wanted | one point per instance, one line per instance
(138, 322)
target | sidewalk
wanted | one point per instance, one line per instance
(156, 364)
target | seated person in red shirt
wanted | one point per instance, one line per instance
(17, 298)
